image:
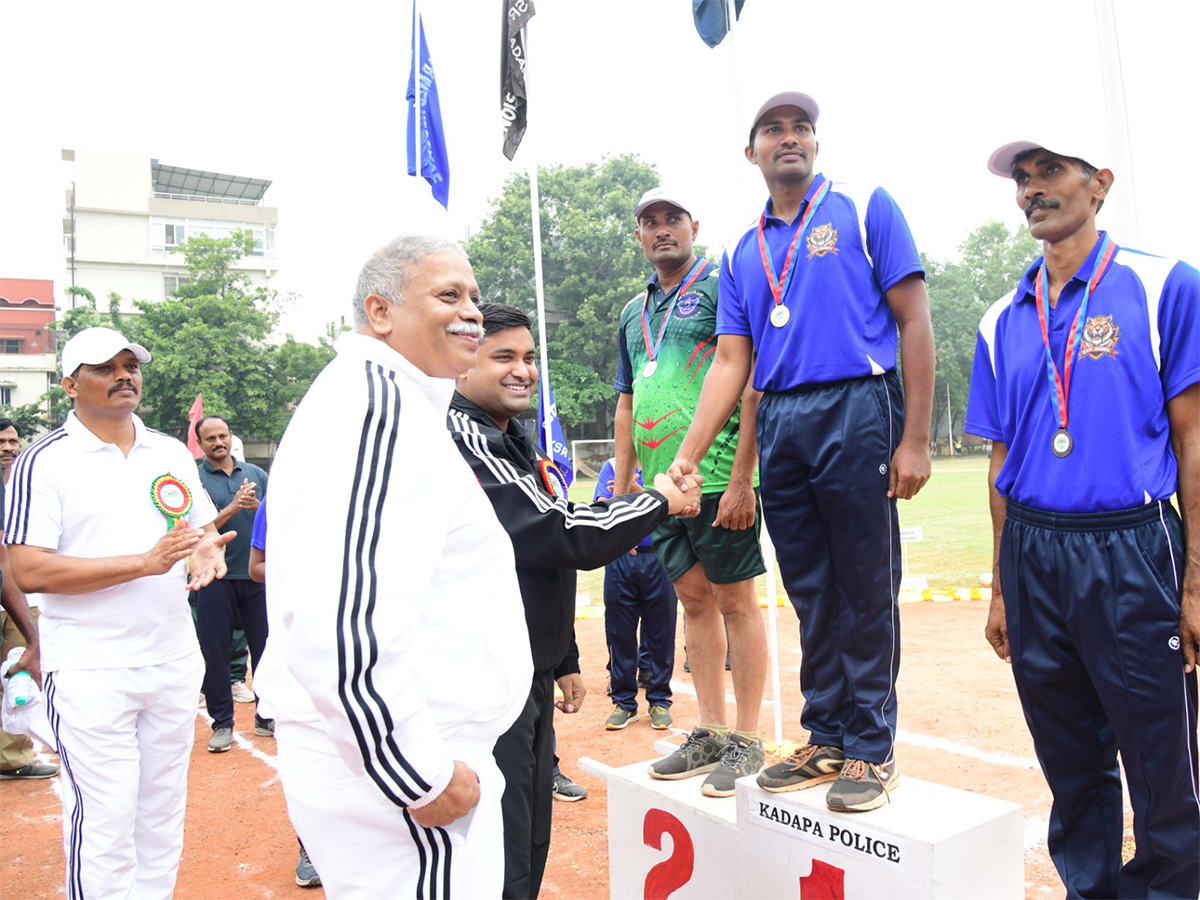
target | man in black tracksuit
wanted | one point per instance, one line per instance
(552, 538)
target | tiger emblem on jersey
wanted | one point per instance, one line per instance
(822, 240)
(1099, 338)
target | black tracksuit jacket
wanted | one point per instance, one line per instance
(552, 537)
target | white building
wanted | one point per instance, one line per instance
(125, 216)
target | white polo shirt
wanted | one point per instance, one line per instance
(77, 495)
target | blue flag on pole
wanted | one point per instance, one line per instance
(710, 19)
(435, 165)
(562, 459)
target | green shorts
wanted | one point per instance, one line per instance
(727, 556)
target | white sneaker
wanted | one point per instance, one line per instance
(241, 693)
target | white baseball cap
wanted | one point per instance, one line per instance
(660, 195)
(96, 345)
(1077, 145)
(788, 98)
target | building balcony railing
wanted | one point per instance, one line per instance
(207, 198)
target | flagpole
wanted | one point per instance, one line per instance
(1118, 127)
(416, 67)
(535, 212)
(768, 548)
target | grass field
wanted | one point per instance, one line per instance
(952, 511)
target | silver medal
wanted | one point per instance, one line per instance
(651, 368)
(1062, 443)
(780, 315)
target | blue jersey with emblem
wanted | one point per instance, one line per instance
(1140, 348)
(851, 253)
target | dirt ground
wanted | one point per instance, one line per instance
(960, 725)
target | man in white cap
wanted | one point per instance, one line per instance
(666, 338)
(813, 296)
(1087, 382)
(104, 517)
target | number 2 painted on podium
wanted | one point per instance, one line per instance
(676, 870)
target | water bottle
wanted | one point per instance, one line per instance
(19, 688)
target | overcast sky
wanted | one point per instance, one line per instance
(914, 96)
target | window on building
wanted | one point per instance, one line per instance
(172, 283)
(5, 396)
(10, 345)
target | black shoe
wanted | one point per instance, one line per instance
(264, 727)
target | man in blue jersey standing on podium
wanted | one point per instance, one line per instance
(817, 291)
(1087, 382)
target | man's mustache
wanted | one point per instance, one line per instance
(121, 386)
(1039, 203)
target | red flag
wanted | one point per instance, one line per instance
(195, 414)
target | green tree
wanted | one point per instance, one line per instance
(992, 260)
(30, 418)
(210, 338)
(592, 266)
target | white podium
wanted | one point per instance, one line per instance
(667, 840)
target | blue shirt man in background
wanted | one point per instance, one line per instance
(236, 489)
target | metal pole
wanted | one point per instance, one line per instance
(535, 214)
(1118, 128)
(416, 133)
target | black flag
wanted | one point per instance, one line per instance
(512, 72)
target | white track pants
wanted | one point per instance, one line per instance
(125, 737)
(365, 847)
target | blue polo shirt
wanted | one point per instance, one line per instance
(1140, 348)
(258, 537)
(851, 254)
(607, 473)
(222, 488)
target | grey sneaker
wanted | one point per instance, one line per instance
(30, 772)
(264, 727)
(306, 874)
(863, 786)
(221, 740)
(619, 719)
(566, 790)
(660, 718)
(812, 764)
(742, 757)
(697, 755)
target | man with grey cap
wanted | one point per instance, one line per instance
(1087, 382)
(811, 301)
(666, 339)
(105, 515)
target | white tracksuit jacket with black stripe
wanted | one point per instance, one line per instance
(397, 632)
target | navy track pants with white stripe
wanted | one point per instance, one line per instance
(824, 457)
(1092, 609)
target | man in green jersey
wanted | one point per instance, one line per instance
(666, 344)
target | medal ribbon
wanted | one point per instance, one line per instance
(1062, 385)
(779, 287)
(690, 278)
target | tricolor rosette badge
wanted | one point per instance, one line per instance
(172, 498)
(553, 479)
